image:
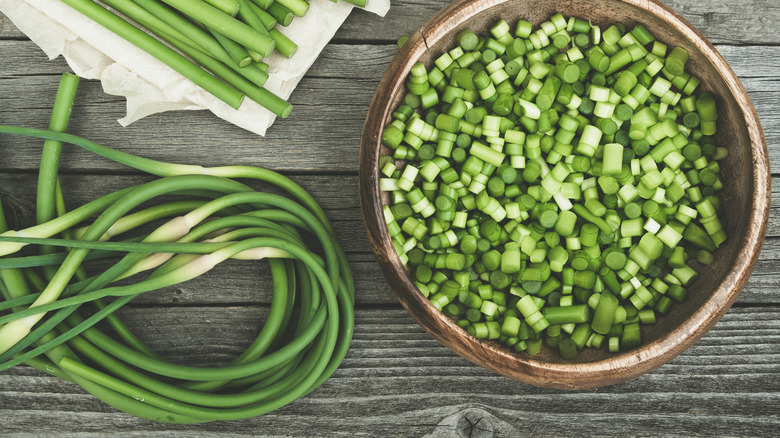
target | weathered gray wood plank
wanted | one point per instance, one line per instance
(238, 282)
(322, 134)
(337, 194)
(728, 21)
(249, 282)
(398, 381)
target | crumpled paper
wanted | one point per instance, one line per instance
(149, 86)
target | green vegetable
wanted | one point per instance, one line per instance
(51, 304)
(158, 50)
(565, 170)
(224, 39)
(230, 7)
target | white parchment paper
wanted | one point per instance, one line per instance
(94, 52)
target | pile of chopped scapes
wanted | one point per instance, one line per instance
(548, 186)
(219, 45)
(199, 217)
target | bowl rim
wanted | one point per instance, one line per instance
(612, 370)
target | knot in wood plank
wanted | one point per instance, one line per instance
(473, 422)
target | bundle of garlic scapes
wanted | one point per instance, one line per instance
(51, 304)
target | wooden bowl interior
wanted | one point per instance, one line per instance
(744, 213)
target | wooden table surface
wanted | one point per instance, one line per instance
(396, 380)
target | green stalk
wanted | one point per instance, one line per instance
(267, 19)
(45, 365)
(167, 169)
(248, 16)
(302, 379)
(297, 7)
(238, 413)
(200, 373)
(167, 24)
(16, 287)
(250, 227)
(44, 330)
(158, 50)
(259, 381)
(17, 330)
(142, 247)
(264, 4)
(284, 45)
(281, 13)
(63, 222)
(126, 403)
(50, 157)
(153, 167)
(236, 51)
(181, 30)
(270, 332)
(142, 217)
(49, 196)
(230, 7)
(225, 24)
(265, 98)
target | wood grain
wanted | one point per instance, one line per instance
(338, 195)
(397, 380)
(326, 104)
(728, 21)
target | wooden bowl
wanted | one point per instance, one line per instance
(746, 195)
